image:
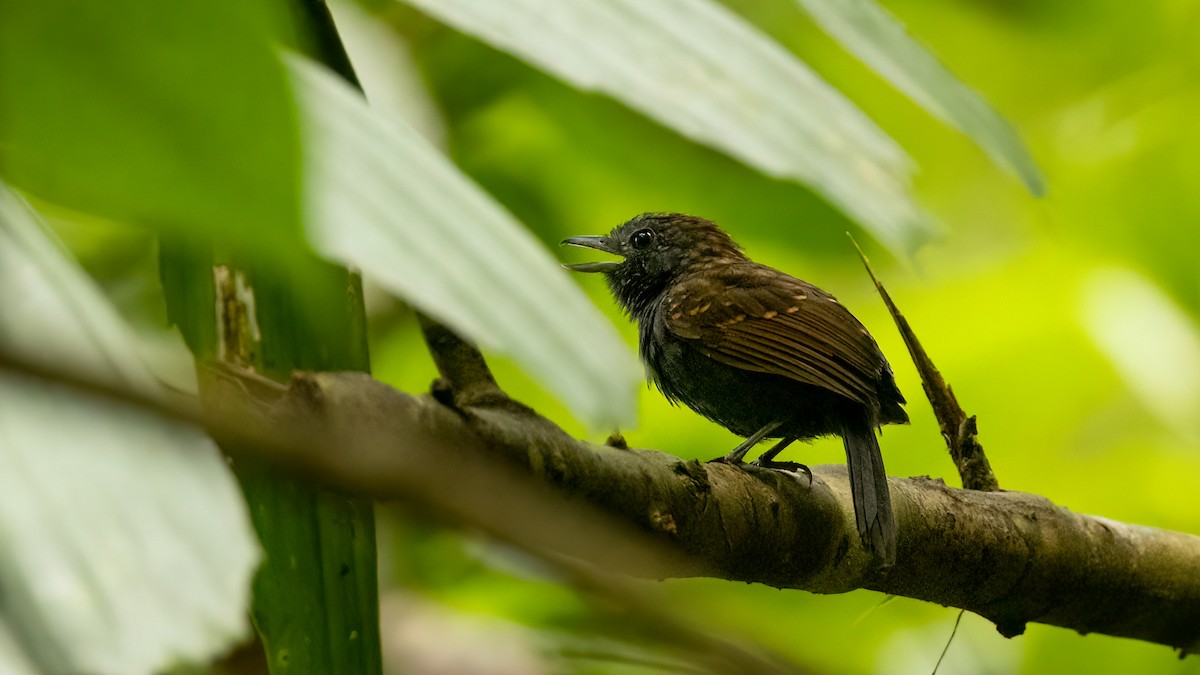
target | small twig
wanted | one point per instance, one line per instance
(953, 632)
(959, 429)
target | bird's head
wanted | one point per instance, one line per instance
(655, 250)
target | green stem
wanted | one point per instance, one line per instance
(316, 603)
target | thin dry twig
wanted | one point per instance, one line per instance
(959, 429)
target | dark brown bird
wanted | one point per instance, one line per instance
(755, 350)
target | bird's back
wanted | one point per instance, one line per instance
(741, 342)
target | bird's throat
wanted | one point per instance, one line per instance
(637, 295)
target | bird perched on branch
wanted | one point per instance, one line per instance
(755, 350)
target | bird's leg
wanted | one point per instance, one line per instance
(735, 457)
(766, 460)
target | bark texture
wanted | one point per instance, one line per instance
(1011, 557)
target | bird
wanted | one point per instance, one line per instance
(756, 350)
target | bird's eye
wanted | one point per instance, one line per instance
(641, 239)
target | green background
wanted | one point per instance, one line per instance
(1104, 93)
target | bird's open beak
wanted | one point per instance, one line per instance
(598, 243)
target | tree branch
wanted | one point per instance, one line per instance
(354, 448)
(1008, 556)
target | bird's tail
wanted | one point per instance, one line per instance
(868, 485)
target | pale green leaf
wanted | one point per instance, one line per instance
(125, 546)
(875, 36)
(382, 199)
(696, 67)
(13, 660)
(386, 70)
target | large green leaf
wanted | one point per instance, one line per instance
(384, 200)
(876, 37)
(705, 72)
(13, 659)
(125, 546)
(174, 115)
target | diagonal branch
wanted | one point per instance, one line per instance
(1011, 557)
(439, 469)
(1008, 556)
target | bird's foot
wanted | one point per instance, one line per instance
(795, 467)
(731, 460)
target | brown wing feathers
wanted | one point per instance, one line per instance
(815, 362)
(790, 329)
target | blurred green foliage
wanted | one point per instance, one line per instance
(132, 110)
(1104, 94)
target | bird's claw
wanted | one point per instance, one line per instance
(795, 467)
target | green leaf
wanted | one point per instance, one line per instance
(875, 36)
(125, 547)
(13, 659)
(174, 115)
(385, 68)
(382, 199)
(696, 67)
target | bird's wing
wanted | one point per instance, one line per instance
(758, 319)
